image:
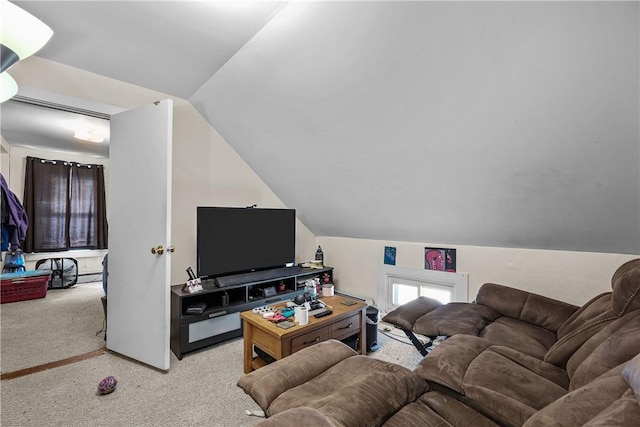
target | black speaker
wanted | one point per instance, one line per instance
(372, 329)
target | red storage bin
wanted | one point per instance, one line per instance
(23, 286)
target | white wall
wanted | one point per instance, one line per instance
(574, 277)
(4, 158)
(208, 172)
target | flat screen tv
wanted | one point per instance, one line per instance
(238, 240)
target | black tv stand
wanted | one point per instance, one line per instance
(258, 276)
(220, 319)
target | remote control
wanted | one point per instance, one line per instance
(324, 313)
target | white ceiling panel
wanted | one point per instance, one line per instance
(168, 46)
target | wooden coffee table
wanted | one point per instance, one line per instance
(345, 321)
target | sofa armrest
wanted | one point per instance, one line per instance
(532, 308)
(268, 382)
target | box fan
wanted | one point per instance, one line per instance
(64, 271)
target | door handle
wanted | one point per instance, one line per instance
(171, 249)
(159, 250)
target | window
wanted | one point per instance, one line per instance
(404, 290)
(399, 285)
(65, 205)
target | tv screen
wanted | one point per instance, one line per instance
(238, 240)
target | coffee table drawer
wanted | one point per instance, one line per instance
(310, 338)
(346, 327)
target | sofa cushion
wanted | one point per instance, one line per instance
(508, 389)
(266, 383)
(447, 364)
(416, 414)
(606, 401)
(435, 409)
(455, 412)
(613, 345)
(533, 364)
(525, 306)
(359, 390)
(455, 318)
(406, 315)
(585, 323)
(591, 309)
(509, 332)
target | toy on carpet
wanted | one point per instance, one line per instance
(107, 385)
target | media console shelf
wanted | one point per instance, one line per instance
(220, 319)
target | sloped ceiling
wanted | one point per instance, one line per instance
(496, 124)
(509, 124)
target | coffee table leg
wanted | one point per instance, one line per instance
(363, 331)
(248, 346)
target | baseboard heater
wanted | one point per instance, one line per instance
(89, 277)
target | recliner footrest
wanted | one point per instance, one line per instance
(406, 315)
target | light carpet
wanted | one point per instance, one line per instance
(62, 324)
(199, 390)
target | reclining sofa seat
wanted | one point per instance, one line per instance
(612, 399)
(552, 329)
(332, 378)
(508, 386)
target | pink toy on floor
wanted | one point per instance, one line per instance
(107, 385)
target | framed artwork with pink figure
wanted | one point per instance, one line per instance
(440, 259)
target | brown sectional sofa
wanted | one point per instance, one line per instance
(503, 315)
(510, 387)
(513, 359)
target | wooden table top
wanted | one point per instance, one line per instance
(334, 303)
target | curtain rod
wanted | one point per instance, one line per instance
(65, 162)
(61, 107)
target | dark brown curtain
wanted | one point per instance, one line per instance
(46, 187)
(87, 210)
(66, 206)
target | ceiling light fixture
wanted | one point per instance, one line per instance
(21, 35)
(8, 87)
(89, 135)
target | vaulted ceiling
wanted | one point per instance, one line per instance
(510, 124)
